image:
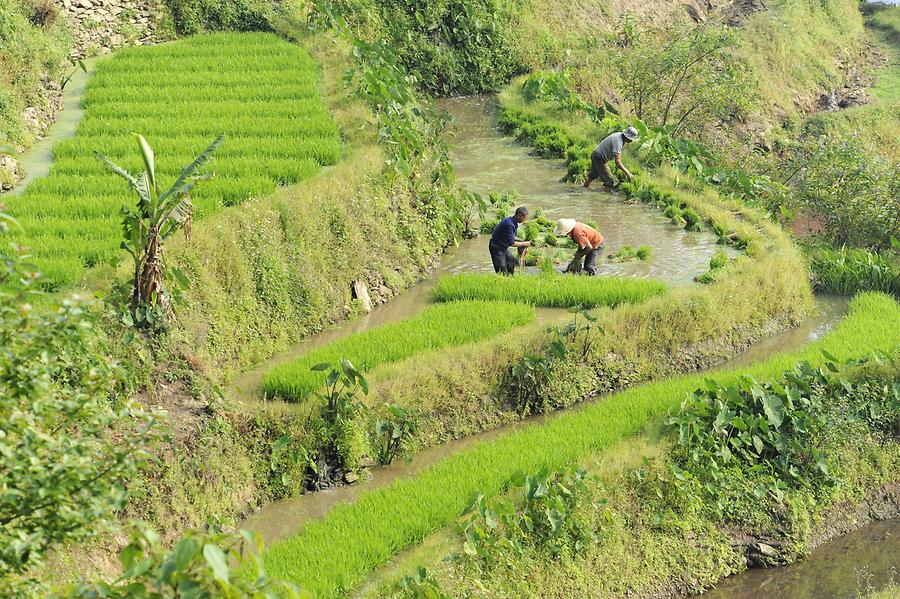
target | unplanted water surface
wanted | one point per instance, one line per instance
(850, 567)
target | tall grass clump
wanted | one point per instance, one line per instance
(548, 290)
(333, 555)
(261, 92)
(845, 271)
(440, 326)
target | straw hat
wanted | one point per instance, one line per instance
(564, 226)
(630, 133)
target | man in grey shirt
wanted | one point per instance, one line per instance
(610, 149)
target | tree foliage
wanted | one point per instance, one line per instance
(68, 443)
(681, 76)
(853, 195)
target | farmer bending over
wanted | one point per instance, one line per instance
(610, 149)
(503, 238)
(589, 241)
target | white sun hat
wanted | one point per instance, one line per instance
(564, 226)
(631, 133)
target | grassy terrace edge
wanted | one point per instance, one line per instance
(548, 290)
(333, 555)
(439, 326)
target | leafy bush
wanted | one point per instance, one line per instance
(452, 47)
(200, 565)
(549, 290)
(264, 98)
(852, 194)
(69, 443)
(546, 518)
(780, 435)
(846, 271)
(200, 16)
(445, 325)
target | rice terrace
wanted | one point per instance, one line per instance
(368, 298)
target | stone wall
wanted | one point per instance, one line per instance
(100, 26)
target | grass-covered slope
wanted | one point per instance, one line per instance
(440, 326)
(548, 290)
(260, 91)
(332, 555)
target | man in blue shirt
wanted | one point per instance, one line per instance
(503, 238)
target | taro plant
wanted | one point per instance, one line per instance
(419, 586)
(393, 432)
(474, 208)
(157, 216)
(546, 517)
(339, 407)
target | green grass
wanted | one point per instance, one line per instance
(548, 290)
(260, 91)
(333, 555)
(445, 325)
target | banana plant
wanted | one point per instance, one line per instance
(156, 217)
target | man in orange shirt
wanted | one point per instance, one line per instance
(589, 241)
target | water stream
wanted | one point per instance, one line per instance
(485, 160)
(37, 160)
(850, 567)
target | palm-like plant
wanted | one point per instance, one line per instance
(155, 218)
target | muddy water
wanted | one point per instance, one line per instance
(38, 159)
(485, 160)
(855, 565)
(830, 309)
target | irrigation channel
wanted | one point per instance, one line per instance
(485, 160)
(37, 160)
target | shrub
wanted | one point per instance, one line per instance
(69, 444)
(200, 565)
(199, 16)
(548, 290)
(437, 327)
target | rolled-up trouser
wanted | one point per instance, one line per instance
(600, 170)
(590, 261)
(504, 262)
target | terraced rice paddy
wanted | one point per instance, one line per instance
(260, 91)
(333, 555)
(441, 326)
(548, 290)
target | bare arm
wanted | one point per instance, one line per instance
(521, 244)
(622, 167)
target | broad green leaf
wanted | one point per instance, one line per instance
(216, 559)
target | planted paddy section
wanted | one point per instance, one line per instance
(261, 92)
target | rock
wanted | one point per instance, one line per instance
(9, 172)
(116, 39)
(765, 549)
(350, 478)
(361, 292)
(366, 462)
(85, 3)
